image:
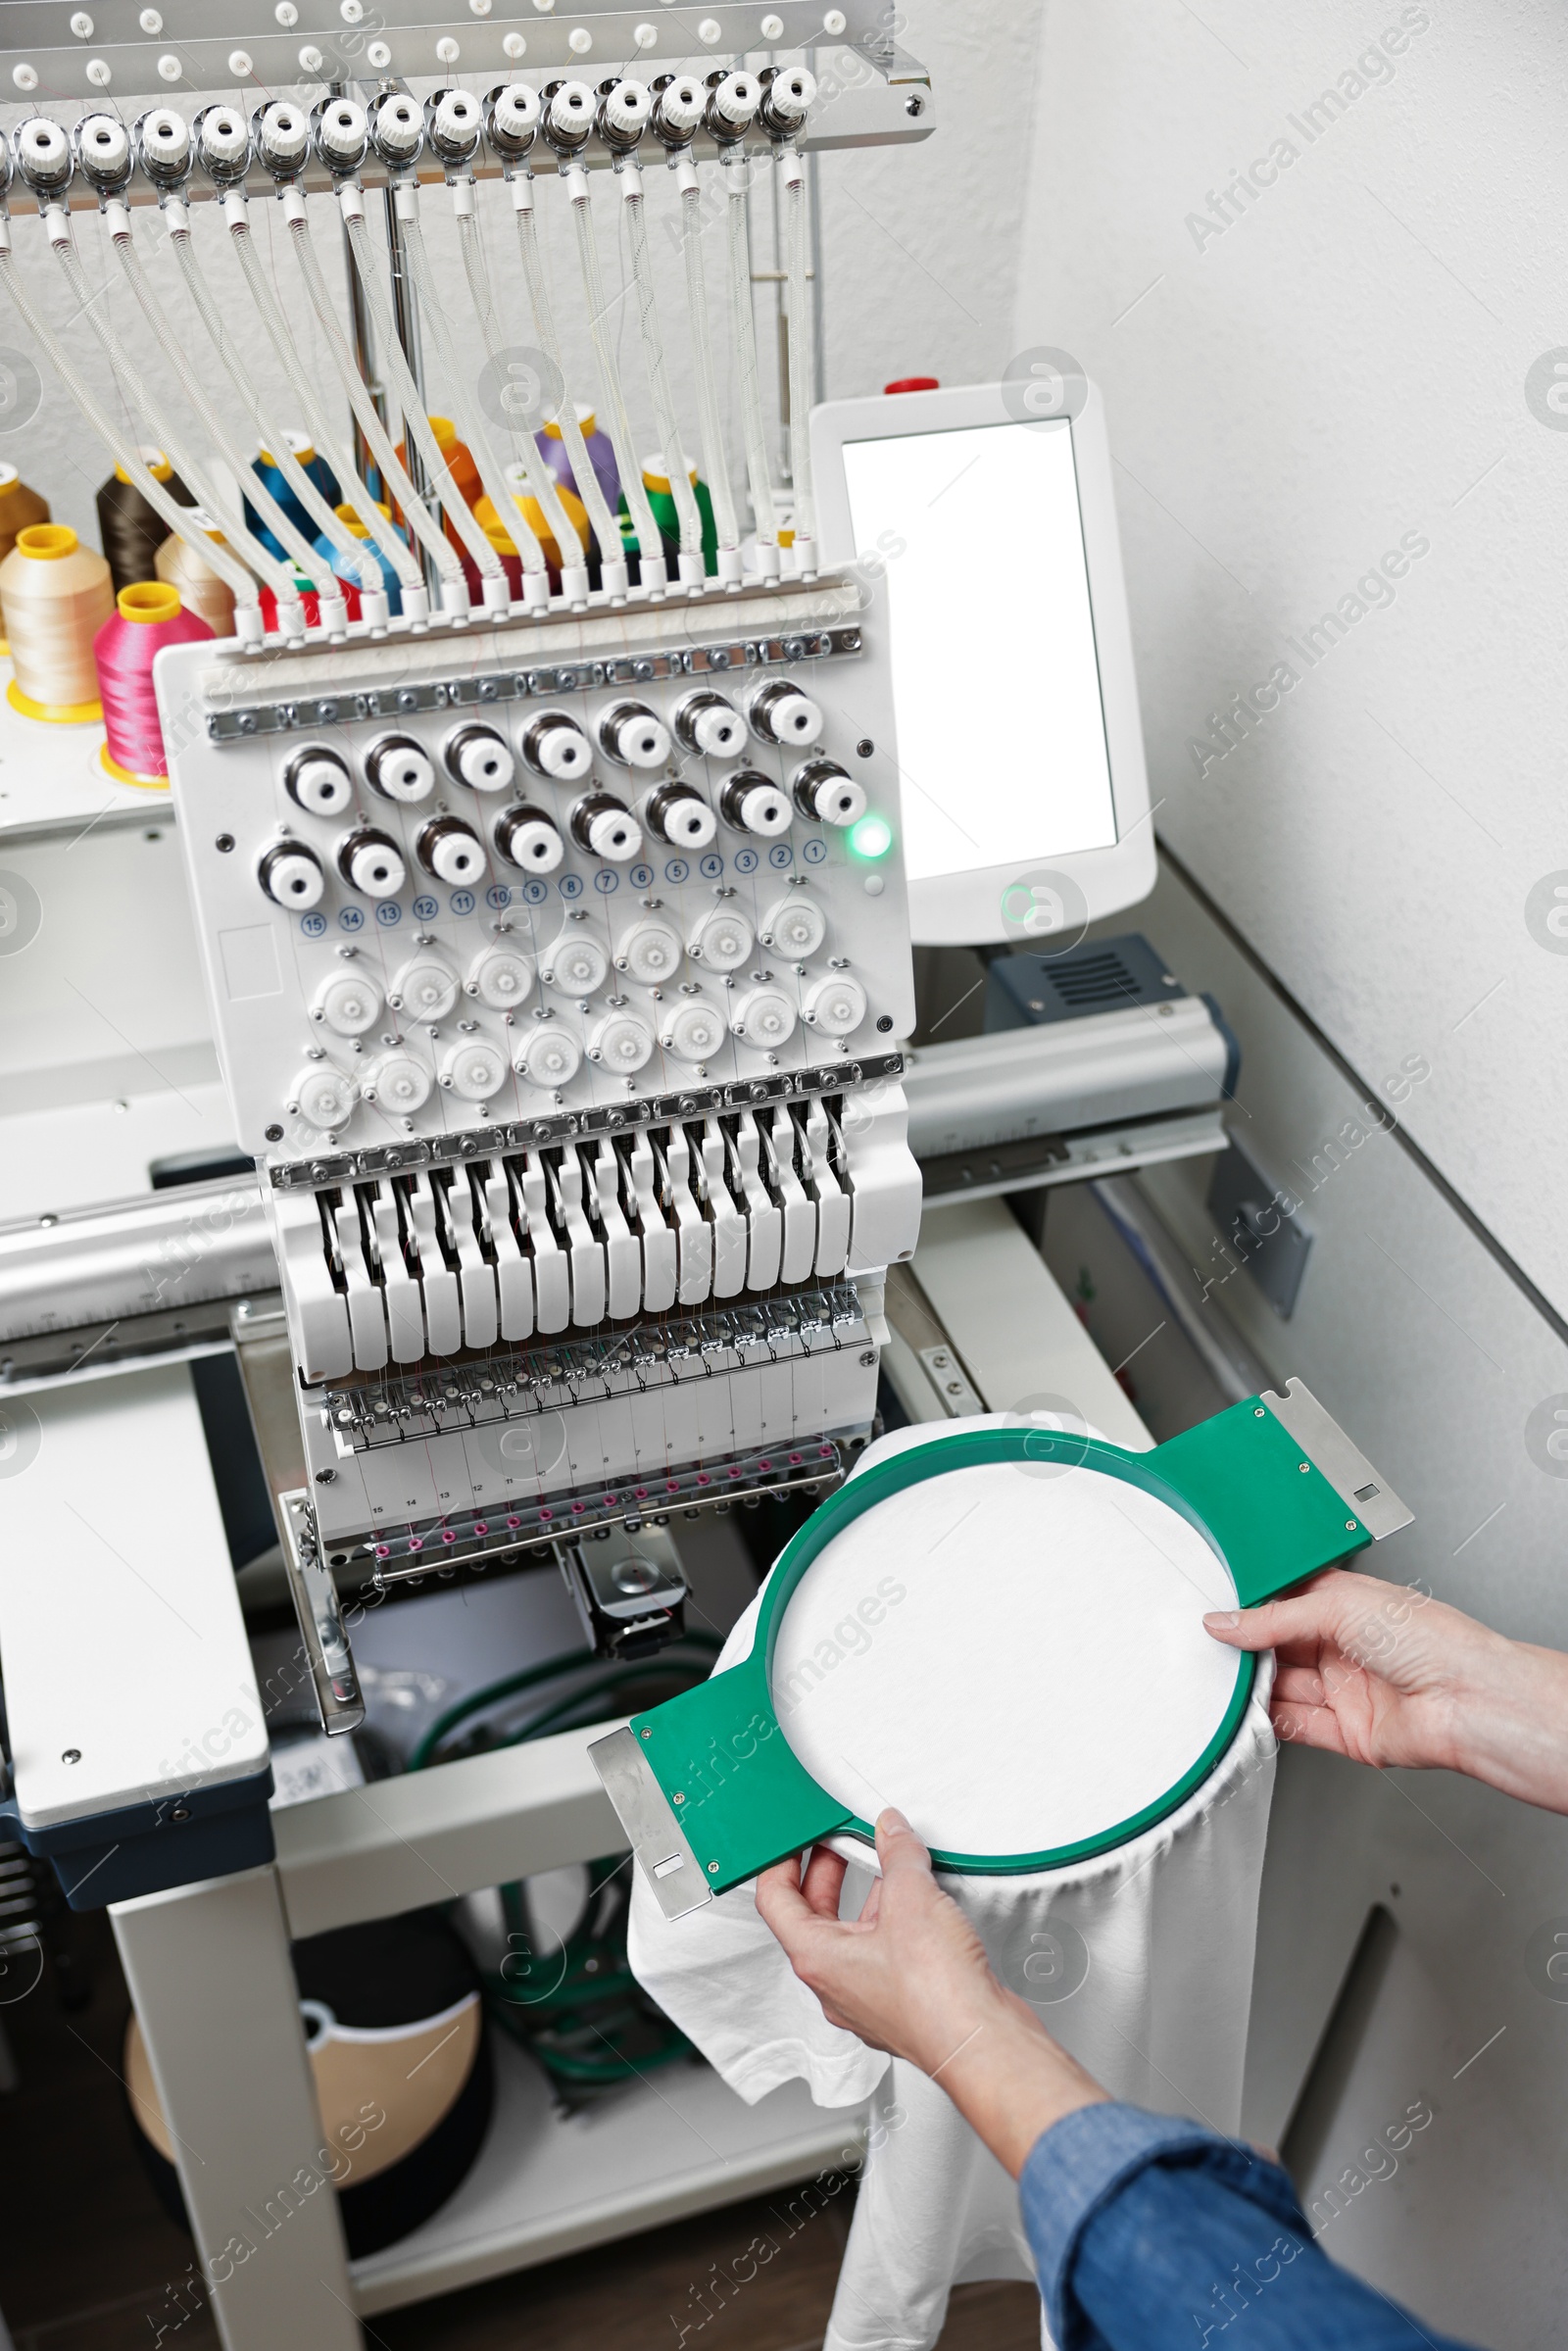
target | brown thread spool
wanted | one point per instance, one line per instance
(130, 529)
(57, 595)
(201, 591)
(19, 506)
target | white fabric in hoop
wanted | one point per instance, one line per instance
(1140, 1962)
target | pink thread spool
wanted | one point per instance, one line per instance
(148, 617)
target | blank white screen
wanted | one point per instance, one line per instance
(996, 693)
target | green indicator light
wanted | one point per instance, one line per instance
(872, 837)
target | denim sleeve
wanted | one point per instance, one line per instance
(1150, 2233)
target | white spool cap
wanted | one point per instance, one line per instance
(694, 1033)
(376, 869)
(559, 747)
(348, 1004)
(473, 1070)
(325, 1096)
(793, 719)
(293, 877)
(398, 127)
(649, 953)
(425, 988)
(484, 761)
(722, 940)
(397, 1083)
(342, 128)
(400, 770)
(166, 140)
(734, 103)
(577, 964)
(43, 153)
(680, 107)
(454, 125)
(626, 108)
(571, 111)
(688, 823)
(718, 732)
(551, 1058)
(836, 1003)
(514, 114)
(285, 135)
(320, 782)
(637, 739)
(615, 835)
(224, 139)
(501, 979)
(104, 144)
(456, 858)
(764, 810)
(534, 844)
(621, 1043)
(792, 94)
(796, 926)
(765, 1018)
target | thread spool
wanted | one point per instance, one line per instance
(310, 601)
(266, 469)
(129, 529)
(510, 561)
(334, 556)
(19, 506)
(601, 455)
(494, 526)
(656, 481)
(201, 591)
(465, 473)
(57, 595)
(148, 615)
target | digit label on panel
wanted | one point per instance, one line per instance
(813, 851)
(676, 872)
(640, 877)
(351, 918)
(711, 867)
(782, 854)
(463, 901)
(571, 885)
(604, 881)
(388, 912)
(313, 925)
(745, 860)
(497, 896)
(426, 910)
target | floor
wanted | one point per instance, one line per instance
(90, 2262)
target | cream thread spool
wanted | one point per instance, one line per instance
(57, 595)
(201, 591)
(19, 506)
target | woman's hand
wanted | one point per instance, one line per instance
(910, 1975)
(1389, 1677)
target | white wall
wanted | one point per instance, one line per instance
(1341, 366)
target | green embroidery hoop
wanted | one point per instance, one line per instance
(708, 1788)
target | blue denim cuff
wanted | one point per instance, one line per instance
(1080, 2163)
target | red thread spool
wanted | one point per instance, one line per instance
(148, 617)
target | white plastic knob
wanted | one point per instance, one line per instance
(398, 1084)
(722, 940)
(473, 1070)
(836, 799)
(483, 761)
(166, 140)
(376, 869)
(736, 100)
(105, 144)
(578, 965)
(401, 771)
(688, 822)
(455, 122)
(425, 988)
(224, 139)
(456, 858)
(694, 1033)
(534, 844)
(793, 719)
(615, 835)
(325, 1096)
(399, 128)
(562, 750)
(572, 111)
(295, 879)
(621, 1043)
(796, 926)
(515, 112)
(836, 1003)
(649, 953)
(342, 130)
(320, 783)
(637, 739)
(764, 810)
(680, 107)
(718, 732)
(285, 135)
(551, 1056)
(765, 1018)
(501, 979)
(347, 1004)
(626, 108)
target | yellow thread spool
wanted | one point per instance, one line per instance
(57, 595)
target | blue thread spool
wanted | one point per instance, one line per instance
(269, 473)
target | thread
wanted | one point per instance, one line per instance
(309, 599)
(511, 560)
(656, 481)
(57, 595)
(19, 506)
(201, 590)
(268, 471)
(360, 532)
(601, 455)
(458, 459)
(130, 531)
(495, 527)
(148, 616)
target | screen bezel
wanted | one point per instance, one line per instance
(966, 908)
